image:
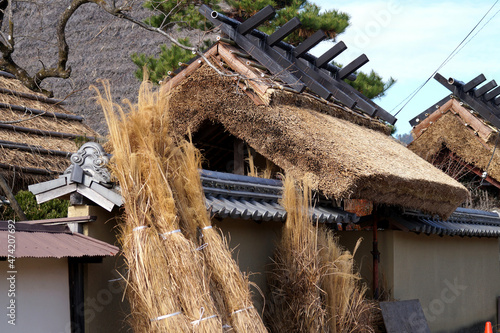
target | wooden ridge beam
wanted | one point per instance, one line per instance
(246, 44)
(352, 66)
(330, 54)
(473, 83)
(33, 149)
(43, 132)
(309, 43)
(485, 88)
(492, 94)
(488, 111)
(263, 15)
(295, 66)
(32, 96)
(56, 115)
(284, 31)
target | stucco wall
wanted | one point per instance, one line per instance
(364, 260)
(456, 279)
(105, 307)
(42, 296)
(254, 246)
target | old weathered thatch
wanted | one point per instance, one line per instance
(37, 135)
(100, 46)
(461, 132)
(343, 153)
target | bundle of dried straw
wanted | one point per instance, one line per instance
(314, 287)
(177, 282)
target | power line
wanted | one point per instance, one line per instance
(450, 56)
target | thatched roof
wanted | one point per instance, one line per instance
(37, 135)
(100, 48)
(345, 154)
(463, 132)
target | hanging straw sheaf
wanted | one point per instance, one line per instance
(348, 309)
(229, 287)
(314, 286)
(167, 281)
(296, 300)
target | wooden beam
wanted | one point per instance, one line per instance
(284, 31)
(334, 51)
(239, 157)
(483, 131)
(263, 15)
(476, 170)
(352, 66)
(239, 66)
(309, 43)
(432, 118)
(174, 82)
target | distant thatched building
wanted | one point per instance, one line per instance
(37, 135)
(459, 136)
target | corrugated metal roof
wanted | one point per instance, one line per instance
(235, 196)
(41, 241)
(463, 222)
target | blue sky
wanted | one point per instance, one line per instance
(408, 40)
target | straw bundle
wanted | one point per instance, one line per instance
(229, 286)
(314, 286)
(168, 289)
(348, 310)
(296, 297)
(162, 192)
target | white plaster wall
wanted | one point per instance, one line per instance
(42, 296)
(253, 246)
(457, 279)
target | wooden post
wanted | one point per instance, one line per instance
(76, 295)
(239, 157)
(13, 202)
(376, 259)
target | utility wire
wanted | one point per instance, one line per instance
(452, 54)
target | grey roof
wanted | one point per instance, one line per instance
(87, 175)
(250, 198)
(463, 222)
(227, 195)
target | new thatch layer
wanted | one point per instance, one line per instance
(471, 141)
(341, 158)
(29, 153)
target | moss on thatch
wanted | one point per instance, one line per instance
(340, 157)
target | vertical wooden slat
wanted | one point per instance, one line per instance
(239, 157)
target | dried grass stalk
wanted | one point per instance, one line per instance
(229, 287)
(348, 310)
(296, 297)
(314, 284)
(167, 274)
